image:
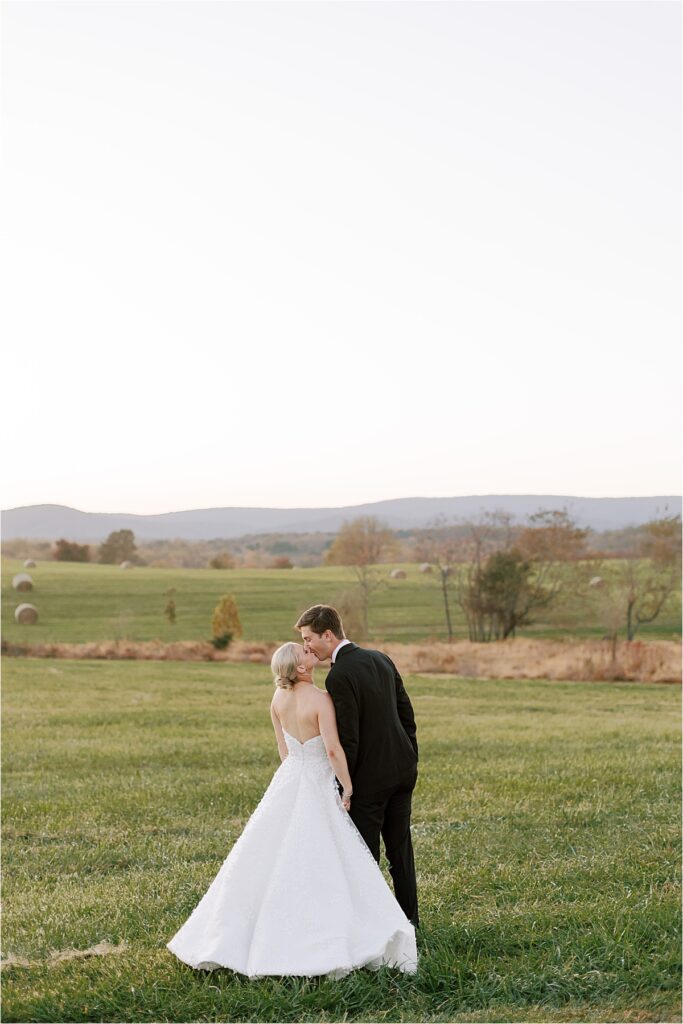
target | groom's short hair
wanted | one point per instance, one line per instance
(321, 617)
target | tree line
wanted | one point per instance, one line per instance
(502, 575)
(280, 550)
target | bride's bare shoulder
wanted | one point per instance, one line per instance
(314, 694)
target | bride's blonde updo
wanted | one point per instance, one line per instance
(284, 664)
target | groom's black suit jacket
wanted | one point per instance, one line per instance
(375, 719)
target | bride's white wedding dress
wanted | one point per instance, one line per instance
(299, 893)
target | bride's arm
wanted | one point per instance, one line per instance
(281, 745)
(327, 723)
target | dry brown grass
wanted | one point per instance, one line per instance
(58, 956)
(656, 661)
(144, 650)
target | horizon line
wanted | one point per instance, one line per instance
(333, 508)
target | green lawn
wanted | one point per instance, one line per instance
(78, 603)
(546, 829)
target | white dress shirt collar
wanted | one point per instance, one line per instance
(340, 644)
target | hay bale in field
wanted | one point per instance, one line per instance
(22, 581)
(29, 564)
(425, 567)
(398, 574)
(126, 565)
(26, 614)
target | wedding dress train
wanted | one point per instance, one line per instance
(299, 893)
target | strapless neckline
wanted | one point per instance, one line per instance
(318, 737)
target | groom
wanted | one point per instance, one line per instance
(377, 730)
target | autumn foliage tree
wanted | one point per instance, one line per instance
(551, 538)
(223, 560)
(513, 573)
(118, 547)
(361, 544)
(661, 542)
(225, 624)
(281, 562)
(635, 591)
(70, 551)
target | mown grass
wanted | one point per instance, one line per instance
(102, 602)
(545, 827)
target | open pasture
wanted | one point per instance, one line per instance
(88, 602)
(545, 826)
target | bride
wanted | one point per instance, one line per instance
(300, 892)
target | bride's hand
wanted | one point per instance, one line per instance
(346, 799)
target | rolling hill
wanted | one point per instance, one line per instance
(49, 522)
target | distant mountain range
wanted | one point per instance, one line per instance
(50, 522)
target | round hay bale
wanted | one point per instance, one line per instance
(398, 574)
(22, 581)
(425, 567)
(26, 614)
(29, 564)
(126, 565)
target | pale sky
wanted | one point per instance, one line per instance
(317, 254)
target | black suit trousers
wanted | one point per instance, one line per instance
(388, 814)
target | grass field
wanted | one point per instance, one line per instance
(545, 826)
(101, 602)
